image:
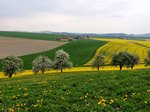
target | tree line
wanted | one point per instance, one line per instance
(12, 64)
(120, 59)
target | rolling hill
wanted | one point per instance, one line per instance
(28, 35)
(139, 48)
(80, 52)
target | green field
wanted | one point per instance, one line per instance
(114, 91)
(28, 35)
(80, 52)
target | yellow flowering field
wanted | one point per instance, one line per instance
(139, 48)
(76, 69)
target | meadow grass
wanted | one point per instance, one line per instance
(80, 51)
(28, 35)
(115, 91)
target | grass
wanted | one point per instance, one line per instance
(115, 91)
(38, 36)
(80, 52)
(139, 48)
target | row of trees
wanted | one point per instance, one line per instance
(12, 65)
(121, 59)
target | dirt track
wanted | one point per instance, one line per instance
(19, 47)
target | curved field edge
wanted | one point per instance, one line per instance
(20, 46)
(76, 69)
(114, 91)
(28, 35)
(139, 48)
(80, 51)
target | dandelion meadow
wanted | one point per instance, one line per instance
(113, 91)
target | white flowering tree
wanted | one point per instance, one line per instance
(62, 60)
(12, 65)
(41, 63)
(98, 62)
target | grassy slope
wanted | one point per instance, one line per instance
(80, 52)
(71, 92)
(30, 35)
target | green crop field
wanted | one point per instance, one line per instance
(80, 52)
(114, 91)
(28, 35)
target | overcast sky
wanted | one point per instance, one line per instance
(90, 16)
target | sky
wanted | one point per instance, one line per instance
(82, 16)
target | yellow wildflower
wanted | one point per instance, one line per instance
(111, 101)
(101, 101)
(145, 102)
(148, 91)
(35, 105)
(125, 99)
(21, 105)
(11, 110)
(25, 94)
(82, 97)
(25, 89)
(18, 105)
(104, 104)
(126, 95)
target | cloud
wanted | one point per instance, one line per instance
(68, 7)
(75, 16)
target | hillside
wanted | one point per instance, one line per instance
(27, 35)
(80, 52)
(115, 91)
(139, 48)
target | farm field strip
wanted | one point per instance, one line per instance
(78, 51)
(76, 69)
(29, 35)
(19, 46)
(139, 48)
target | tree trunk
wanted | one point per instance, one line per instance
(120, 67)
(132, 67)
(42, 71)
(98, 68)
(61, 70)
(10, 75)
